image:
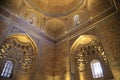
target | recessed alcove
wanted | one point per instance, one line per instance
(59, 40)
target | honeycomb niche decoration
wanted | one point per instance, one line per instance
(87, 46)
(55, 7)
(83, 51)
(21, 49)
(89, 52)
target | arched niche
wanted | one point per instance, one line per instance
(32, 16)
(82, 52)
(21, 49)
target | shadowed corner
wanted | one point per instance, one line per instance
(3, 2)
(118, 0)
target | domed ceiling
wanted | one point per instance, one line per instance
(56, 18)
(55, 7)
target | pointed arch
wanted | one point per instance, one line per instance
(24, 49)
(23, 38)
(81, 40)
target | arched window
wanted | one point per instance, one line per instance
(96, 69)
(76, 19)
(7, 69)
